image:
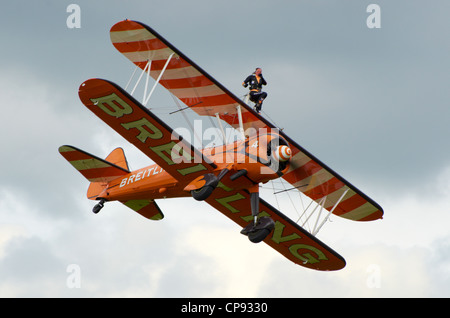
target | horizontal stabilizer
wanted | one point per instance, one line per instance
(93, 168)
(146, 208)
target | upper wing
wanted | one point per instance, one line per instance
(287, 238)
(317, 181)
(206, 96)
(143, 129)
(182, 77)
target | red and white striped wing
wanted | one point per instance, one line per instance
(198, 90)
(182, 77)
(315, 180)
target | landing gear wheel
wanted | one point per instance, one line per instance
(258, 236)
(98, 206)
(211, 182)
(203, 193)
(257, 233)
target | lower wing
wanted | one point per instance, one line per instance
(144, 130)
(287, 238)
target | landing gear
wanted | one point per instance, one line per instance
(203, 193)
(211, 182)
(261, 227)
(258, 231)
(98, 206)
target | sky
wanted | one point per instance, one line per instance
(371, 103)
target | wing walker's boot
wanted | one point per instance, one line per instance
(258, 107)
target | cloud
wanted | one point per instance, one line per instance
(228, 260)
(201, 254)
(370, 103)
(38, 120)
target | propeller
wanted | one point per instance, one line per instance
(278, 154)
(282, 153)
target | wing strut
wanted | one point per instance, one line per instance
(241, 124)
(320, 204)
(147, 66)
(147, 69)
(317, 229)
(131, 78)
(157, 80)
(221, 129)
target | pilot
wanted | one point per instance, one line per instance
(256, 81)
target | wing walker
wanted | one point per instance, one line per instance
(226, 176)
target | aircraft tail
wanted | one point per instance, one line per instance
(98, 171)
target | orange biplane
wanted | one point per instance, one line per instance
(227, 176)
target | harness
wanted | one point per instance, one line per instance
(255, 86)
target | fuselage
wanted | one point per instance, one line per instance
(253, 155)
